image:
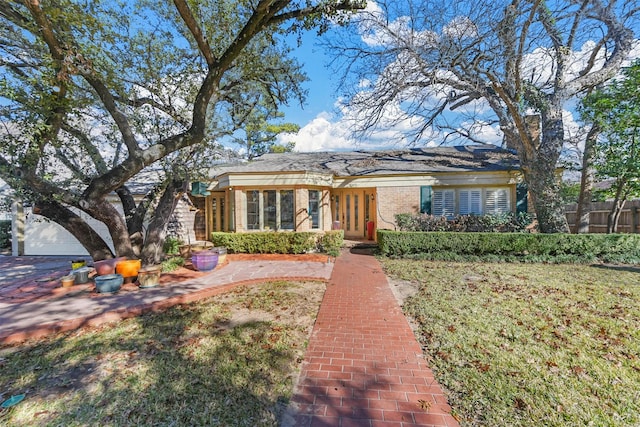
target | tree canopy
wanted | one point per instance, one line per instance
(94, 93)
(615, 110)
(497, 64)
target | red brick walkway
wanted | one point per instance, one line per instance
(363, 366)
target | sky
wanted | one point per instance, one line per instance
(319, 116)
(322, 126)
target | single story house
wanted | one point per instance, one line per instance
(357, 191)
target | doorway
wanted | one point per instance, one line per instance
(351, 210)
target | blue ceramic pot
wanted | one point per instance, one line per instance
(108, 283)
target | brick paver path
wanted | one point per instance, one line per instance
(363, 366)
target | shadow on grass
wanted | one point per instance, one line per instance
(629, 268)
(181, 367)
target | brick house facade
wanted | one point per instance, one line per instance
(358, 190)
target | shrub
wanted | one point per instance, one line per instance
(172, 264)
(331, 242)
(266, 242)
(280, 243)
(621, 248)
(508, 222)
(5, 234)
(171, 245)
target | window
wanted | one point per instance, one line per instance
(444, 203)
(465, 201)
(470, 202)
(270, 210)
(314, 208)
(496, 201)
(286, 209)
(253, 210)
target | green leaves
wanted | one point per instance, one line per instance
(615, 109)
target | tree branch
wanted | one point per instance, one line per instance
(196, 31)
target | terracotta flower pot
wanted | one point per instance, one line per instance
(129, 269)
(149, 277)
(107, 266)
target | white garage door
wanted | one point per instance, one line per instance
(43, 237)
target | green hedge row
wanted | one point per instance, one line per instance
(5, 234)
(623, 248)
(280, 243)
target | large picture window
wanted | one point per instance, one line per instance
(270, 210)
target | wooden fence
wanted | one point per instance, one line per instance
(629, 221)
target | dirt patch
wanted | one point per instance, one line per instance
(402, 289)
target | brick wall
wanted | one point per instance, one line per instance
(240, 207)
(301, 198)
(395, 200)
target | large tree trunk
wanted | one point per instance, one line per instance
(539, 165)
(107, 213)
(135, 215)
(87, 236)
(154, 240)
(616, 207)
(587, 178)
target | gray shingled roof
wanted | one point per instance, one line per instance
(367, 163)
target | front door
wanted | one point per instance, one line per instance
(350, 211)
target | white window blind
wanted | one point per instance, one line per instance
(496, 201)
(470, 202)
(444, 203)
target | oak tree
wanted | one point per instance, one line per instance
(95, 94)
(415, 63)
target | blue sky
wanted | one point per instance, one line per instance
(325, 129)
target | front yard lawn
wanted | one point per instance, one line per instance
(530, 344)
(230, 360)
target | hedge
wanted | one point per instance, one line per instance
(623, 248)
(280, 243)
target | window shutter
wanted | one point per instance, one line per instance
(425, 199)
(437, 203)
(476, 202)
(449, 203)
(470, 202)
(464, 202)
(496, 201)
(522, 192)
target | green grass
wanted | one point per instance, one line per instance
(530, 344)
(216, 362)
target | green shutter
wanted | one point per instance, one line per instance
(521, 197)
(199, 189)
(425, 199)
